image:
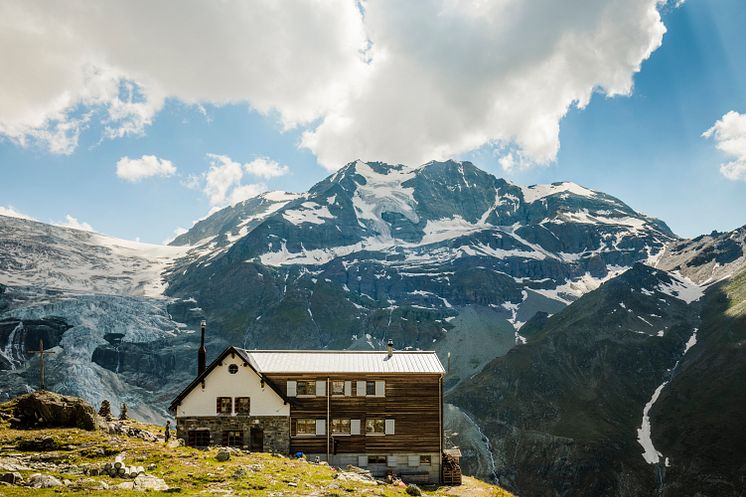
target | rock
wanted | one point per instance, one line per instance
(127, 485)
(147, 482)
(49, 409)
(223, 455)
(39, 445)
(239, 473)
(361, 476)
(179, 442)
(413, 490)
(292, 484)
(152, 466)
(43, 481)
(89, 484)
(12, 464)
(13, 478)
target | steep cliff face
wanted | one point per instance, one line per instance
(627, 391)
(697, 418)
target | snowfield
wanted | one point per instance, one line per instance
(45, 256)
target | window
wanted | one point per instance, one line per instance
(233, 368)
(375, 426)
(305, 427)
(341, 426)
(425, 460)
(377, 459)
(370, 388)
(306, 388)
(224, 405)
(243, 405)
(233, 438)
(338, 387)
(198, 438)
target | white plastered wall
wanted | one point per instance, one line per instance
(220, 383)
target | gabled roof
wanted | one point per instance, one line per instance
(199, 379)
(345, 361)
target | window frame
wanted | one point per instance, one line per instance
(220, 402)
(372, 422)
(307, 385)
(426, 460)
(233, 435)
(238, 411)
(342, 422)
(336, 383)
(368, 385)
(378, 459)
(305, 421)
(232, 368)
(194, 435)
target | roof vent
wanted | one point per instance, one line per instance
(390, 347)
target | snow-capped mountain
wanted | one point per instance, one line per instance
(441, 256)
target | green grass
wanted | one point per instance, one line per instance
(196, 472)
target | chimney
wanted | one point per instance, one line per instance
(390, 347)
(202, 354)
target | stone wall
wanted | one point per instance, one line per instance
(276, 430)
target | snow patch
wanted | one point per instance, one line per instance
(535, 192)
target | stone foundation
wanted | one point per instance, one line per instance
(275, 430)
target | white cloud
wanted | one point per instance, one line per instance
(296, 58)
(10, 211)
(243, 192)
(401, 82)
(450, 76)
(730, 134)
(223, 182)
(265, 168)
(71, 222)
(144, 167)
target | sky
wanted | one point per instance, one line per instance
(132, 121)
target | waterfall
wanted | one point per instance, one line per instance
(13, 351)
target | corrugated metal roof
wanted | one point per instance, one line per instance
(315, 361)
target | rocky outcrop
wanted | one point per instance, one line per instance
(45, 409)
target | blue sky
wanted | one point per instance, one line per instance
(645, 148)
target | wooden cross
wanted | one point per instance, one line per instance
(41, 353)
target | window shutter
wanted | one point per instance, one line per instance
(354, 427)
(362, 461)
(292, 385)
(414, 461)
(348, 389)
(360, 389)
(389, 427)
(218, 406)
(321, 427)
(321, 388)
(380, 388)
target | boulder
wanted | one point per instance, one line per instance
(147, 483)
(13, 478)
(413, 490)
(45, 409)
(223, 455)
(43, 481)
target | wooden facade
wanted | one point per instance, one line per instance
(378, 410)
(412, 401)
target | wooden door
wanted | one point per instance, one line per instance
(256, 442)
